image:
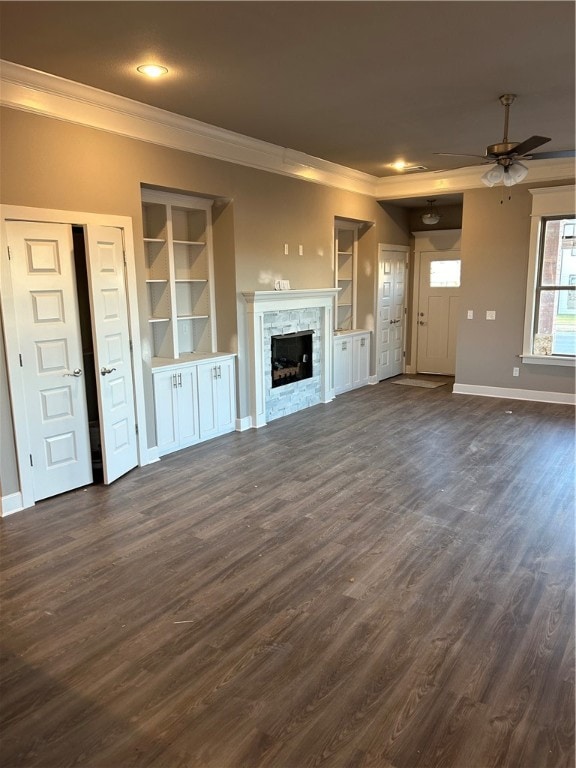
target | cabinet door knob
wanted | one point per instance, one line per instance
(179, 379)
(174, 381)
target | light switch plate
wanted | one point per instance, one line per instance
(490, 314)
(470, 314)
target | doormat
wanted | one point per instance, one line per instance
(421, 383)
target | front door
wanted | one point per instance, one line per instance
(113, 361)
(48, 330)
(390, 309)
(437, 317)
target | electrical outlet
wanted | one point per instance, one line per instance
(515, 371)
(470, 314)
(490, 314)
(285, 249)
(300, 250)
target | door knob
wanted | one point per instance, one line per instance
(76, 372)
(421, 322)
(105, 371)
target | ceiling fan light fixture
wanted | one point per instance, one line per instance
(516, 173)
(431, 215)
(493, 176)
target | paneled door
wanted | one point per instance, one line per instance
(48, 329)
(390, 311)
(437, 317)
(111, 338)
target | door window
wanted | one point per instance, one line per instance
(445, 273)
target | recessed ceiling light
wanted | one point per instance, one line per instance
(152, 70)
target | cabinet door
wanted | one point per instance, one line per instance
(166, 408)
(361, 364)
(226, 396)
(207, 399)
(188, 427)
(342, 365)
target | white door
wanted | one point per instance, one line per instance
(438, 302)
(48, 327)
(112, 357)
(390, 309)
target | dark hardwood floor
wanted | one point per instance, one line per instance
(383, 581)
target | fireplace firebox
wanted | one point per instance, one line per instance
(291, 357)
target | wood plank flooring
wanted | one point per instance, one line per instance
(386, 581)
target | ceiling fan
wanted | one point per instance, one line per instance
(505, 156)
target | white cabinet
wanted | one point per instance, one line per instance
(351, 360)
(217, 397)
(177, 233)
(342, 364)
(361, 360)
(176, 404)
(194, 401)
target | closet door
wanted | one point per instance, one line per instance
(111, 337)
(48, 329)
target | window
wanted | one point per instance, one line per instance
(555, 315)
(550, 326)
(445, 274)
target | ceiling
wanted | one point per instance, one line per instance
(361, 84)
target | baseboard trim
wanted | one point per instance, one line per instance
(515, 394)
(12, 503)
(243, 424)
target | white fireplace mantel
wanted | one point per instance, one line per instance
(260, 302)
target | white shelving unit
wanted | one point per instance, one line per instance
(179, 274)
(345, 266)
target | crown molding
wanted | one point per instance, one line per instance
(44, 94)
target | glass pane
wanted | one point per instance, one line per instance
(556, 322)
(559, 252)
(445, 274)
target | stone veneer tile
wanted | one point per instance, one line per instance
(282, 401)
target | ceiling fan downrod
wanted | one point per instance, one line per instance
(505, 146)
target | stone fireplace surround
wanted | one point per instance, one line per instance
(278, 312)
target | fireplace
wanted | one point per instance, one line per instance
(291, 357)
(289, 313)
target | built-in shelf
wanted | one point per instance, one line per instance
(177, 236)
(345, 261)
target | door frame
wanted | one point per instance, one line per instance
(9, 315)
(437, 240)
(382, 249)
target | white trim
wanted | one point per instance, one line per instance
(546, 201)
(11, 503)
(429, 240)
(244, 423)
(25, 213)
(257, 303)
(559, 360)
(553, 201)
(515, 394)
(384, 248)
(462, 179)
(44, 94)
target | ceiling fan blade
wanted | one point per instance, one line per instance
(527, 146)
(560, 153)
(474, 165)
(457, 154)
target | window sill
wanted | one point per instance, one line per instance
(549, 360)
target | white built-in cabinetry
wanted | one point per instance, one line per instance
(179, 274)
(194, 385)
(345, 266)
(351, 360)
(194, 401)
